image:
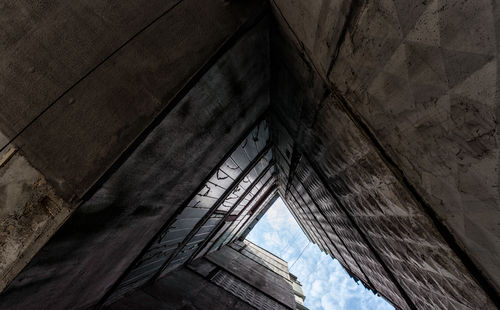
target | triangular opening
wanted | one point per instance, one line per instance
(325, 283)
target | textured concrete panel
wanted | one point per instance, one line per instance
(48, 46)
(30, 212)
(384, 123)
(396, 242)
(422, 77)
(106, 234)
(254, 274)
(178, 240)
(110, 107)
(317, 24)
(207, 283)
(428, 90)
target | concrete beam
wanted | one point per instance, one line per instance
(111, 139)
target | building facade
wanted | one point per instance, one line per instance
(240, 275)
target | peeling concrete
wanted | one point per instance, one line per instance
(30, 213)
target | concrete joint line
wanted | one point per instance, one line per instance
(221, 223)
(261, 200)
(172, 218)
(89, 73)
(351, 21)
(212, 210)
(7, 156)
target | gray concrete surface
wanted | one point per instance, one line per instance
(422, 77)
(30, 213)
(149, 183)
(385, 132)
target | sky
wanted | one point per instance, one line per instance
(325, 283)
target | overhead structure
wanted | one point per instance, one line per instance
(239, 276)
(139, 137)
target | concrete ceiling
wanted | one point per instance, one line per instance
(381, 121)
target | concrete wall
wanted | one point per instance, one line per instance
(354, 202)
(149, 123)
(30, 213)
(421, 77)
(385, 129)
(200, 215)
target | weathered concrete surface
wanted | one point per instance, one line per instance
(47, 47)
(184, 290)
(317, 25)
(429, 92)
(344, 177)
(108, 108)
(391, 103)
(199, 216)
(421, 77)
(103, 237)
(30, 213)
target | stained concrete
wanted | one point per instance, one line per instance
(132, 85)
(383, 124)
(30, 213)
(128, 209)
(255, 274)
(199, 216)
(421, 76)
(343, 163)
(49, 46)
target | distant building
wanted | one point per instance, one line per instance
(240, 275)
(299, 294)
(278, 266)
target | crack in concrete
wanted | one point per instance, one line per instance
(350, 22)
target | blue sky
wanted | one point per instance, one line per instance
(325, 283)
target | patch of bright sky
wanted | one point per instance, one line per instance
(325, 283)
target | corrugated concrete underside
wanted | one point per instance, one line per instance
(140, 193)
(393, 149)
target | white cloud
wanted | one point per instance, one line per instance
(328, 303)
(316, 288)
(325, 283)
